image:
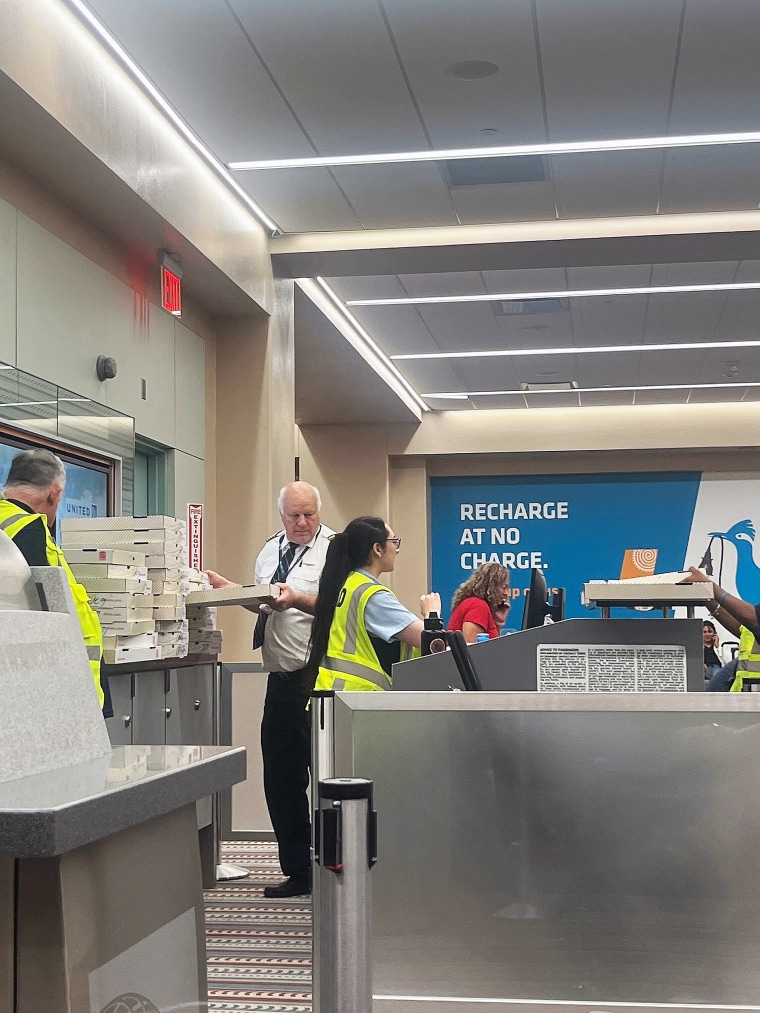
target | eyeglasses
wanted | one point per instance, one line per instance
(396, 542)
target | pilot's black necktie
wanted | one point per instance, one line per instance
(279, 577)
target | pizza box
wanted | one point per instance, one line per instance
(122, 557)
(152, 523)
(244, 595)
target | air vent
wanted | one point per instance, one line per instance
(545, 387)
(487, 171)
(526, 307)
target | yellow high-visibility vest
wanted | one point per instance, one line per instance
(13, 520)
(351, 662)
(749, 659)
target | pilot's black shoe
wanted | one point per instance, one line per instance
(293, 886)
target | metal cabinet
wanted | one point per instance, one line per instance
(171, 706)
(122, 695)
(189, 706)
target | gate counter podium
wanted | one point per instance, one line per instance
(101, 904)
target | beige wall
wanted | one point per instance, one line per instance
(69, 293)
(255, 448)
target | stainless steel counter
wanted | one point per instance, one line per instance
(55, 812)
(579, 851)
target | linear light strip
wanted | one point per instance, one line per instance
(145, 82)
(585, 293)
(461, 395)
(371, 343)
(506, 151)
(582, 350)
(675, 1007)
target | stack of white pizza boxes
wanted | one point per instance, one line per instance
(203, 636)
(140, 603)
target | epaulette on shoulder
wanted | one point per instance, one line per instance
(272, 536)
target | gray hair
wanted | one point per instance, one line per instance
(37, 468)
(281, 496)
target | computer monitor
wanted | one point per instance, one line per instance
(537, 604)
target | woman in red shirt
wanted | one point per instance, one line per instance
(481, 604)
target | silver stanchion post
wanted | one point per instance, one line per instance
(345, 846)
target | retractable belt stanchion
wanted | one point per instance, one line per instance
(321, 710)
(345, 849)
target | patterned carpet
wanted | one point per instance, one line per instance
(259, 951)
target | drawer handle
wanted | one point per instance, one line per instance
(197, 704)
(127, 720)
(168, 711)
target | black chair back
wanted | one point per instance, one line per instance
(463, 661)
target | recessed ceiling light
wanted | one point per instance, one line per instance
(488, 131)
(472, 70)
(578, 293)
(548, 387)
(676, 346)
(546, 148)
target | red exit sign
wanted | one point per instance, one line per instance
(171, 291)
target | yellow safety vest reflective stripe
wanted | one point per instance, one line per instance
(351, 661)
(749, 659)
(13, 520)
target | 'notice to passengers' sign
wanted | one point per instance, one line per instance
(195, 535)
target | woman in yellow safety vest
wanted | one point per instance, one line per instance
(360, 627)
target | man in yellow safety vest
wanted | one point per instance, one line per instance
(28, 508)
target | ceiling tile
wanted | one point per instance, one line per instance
(569, 399)
(539, 280)
(609, 276)
(335, 63)
(396, 329)
(608, 184)
(230, 102)
(617, 370)
(462, 326)
(606, 399)
(397, 196)
(504, 202)
(460, 283)
(609, 320)
(428, 376)
(300, 200)
(508, 401)
(711, 179)
(607, 67)
(718, 76)
(431, 35)
(644, 397)
(694, 274)
(719, 395)
(444, 404)
(692, 316)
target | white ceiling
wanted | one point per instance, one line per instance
(259, 79)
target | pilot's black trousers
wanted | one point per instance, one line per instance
(286, 751)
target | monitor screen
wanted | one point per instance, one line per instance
(537, 604)
(87, 482)
(535, 601)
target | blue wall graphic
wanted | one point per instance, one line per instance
(576, 527)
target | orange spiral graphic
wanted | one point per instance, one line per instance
(644, 559)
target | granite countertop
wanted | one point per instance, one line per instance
(51, 813)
